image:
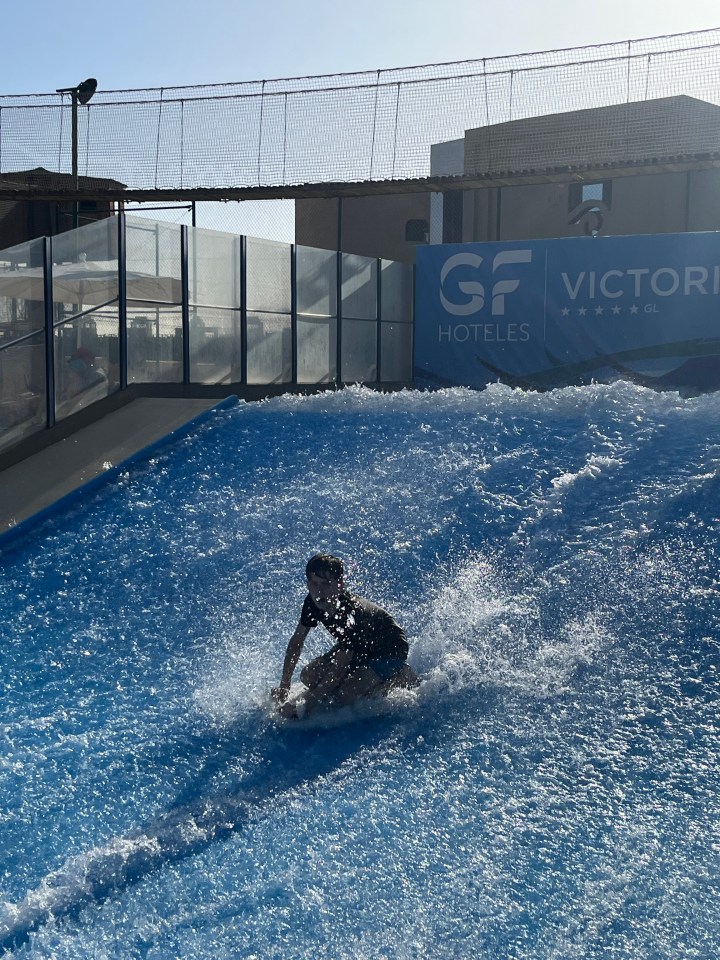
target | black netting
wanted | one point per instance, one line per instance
(658, 98)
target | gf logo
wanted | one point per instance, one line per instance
(474, 289)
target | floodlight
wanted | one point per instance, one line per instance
(86, 89)
(82, 92)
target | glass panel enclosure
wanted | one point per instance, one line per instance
(359, 319)
(359, 351)
(396, 285)
(316, 282)
(268, 276)
(154, 344)
(316, 349)
(154, 292)
(269, 348)
(316, 273)
(153, 249)
(396, 352)
(23, 407)
(85, 352)
(359, 287)
(22, 389)
(269, 302)
(215, 345)
(86, 317)
(215, 302)
(396, 330)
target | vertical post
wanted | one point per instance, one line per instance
(49, 332)
(185, 284)
(293, 314)
(339, 273)
(378, 349)
(243, 311)
(412, 331)
(74, 158)
(122, 303)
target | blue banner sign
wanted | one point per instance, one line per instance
(550, 313)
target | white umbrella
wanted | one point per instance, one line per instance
(89, 282)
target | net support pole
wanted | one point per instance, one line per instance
(185, 284)
(49, 332)
(122, 303)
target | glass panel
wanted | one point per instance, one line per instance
(215, 345)
(316, 282)
(359, 287)
(21, 291)
(359, 351)
(396, 346)
(214, 268)
(85, 268)
(269, 348)
(154, 344)
(396, 281)
(153, 249)
(268, 276)
(317, 349)
(94, 242)
(22, 390)
(86, 361)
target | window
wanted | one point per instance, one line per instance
(417, 231)
(453, 216)
(587, 192)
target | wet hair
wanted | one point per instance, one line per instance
(325, 565)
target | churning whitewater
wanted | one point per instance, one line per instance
(552, 790)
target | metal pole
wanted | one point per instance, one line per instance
(74, 98)
(338, 372)
(184, 280)
(49, 332)
(122, 303)
(378, 348)
(293, 314)
(243, 311)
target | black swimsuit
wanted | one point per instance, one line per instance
(361, 627)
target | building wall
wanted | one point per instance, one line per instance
(653, 203)
(369, 226)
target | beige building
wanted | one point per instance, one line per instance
(674, 136)
(388, 225)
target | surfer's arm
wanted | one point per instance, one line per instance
(294, 649)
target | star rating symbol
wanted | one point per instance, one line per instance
(616, 310)
(634, 308)
(599, 311)
(582, 311)
(565, 312)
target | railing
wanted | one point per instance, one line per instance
(129, 300)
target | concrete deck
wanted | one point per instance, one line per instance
(45, 477)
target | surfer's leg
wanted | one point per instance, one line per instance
(317, 670)
(360, 683)
(406, 678)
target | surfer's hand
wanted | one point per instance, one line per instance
(279, 694)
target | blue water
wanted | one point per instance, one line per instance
(551, 791)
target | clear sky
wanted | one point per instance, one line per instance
(144, 43)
